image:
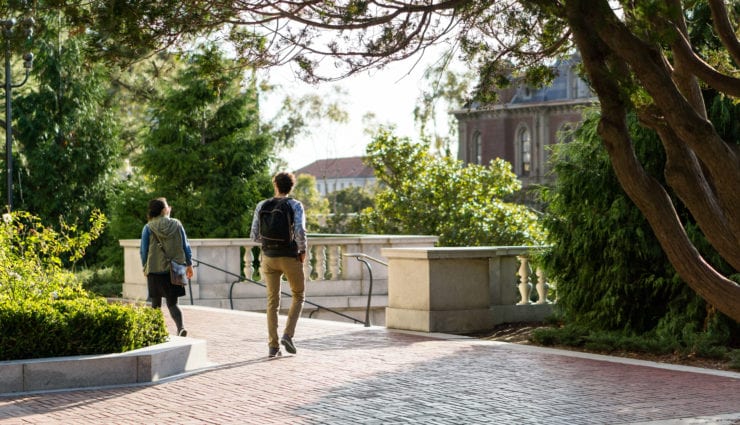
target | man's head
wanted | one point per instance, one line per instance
(283, 182)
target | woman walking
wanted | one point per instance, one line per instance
(163, 239)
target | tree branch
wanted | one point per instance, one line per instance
(723, 27)
(682, 75)
(696, 65)
(649, 66)
(684, 174)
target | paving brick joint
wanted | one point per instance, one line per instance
(350, 374)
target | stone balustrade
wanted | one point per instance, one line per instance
(461, 290)
(423, 288)
(335, 281)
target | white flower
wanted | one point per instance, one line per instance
(7, 218)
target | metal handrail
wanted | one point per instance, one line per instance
(363, 258)
(197, 262)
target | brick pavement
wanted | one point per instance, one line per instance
(349, 374)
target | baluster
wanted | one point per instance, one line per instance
(248, 262)
(333, 258)
(542, 286)
(307, 263)
(320, 264)
(524, 286)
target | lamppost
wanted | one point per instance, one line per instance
(7, 26)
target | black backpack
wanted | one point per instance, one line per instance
(276, 226)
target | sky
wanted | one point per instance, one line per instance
(390, 94)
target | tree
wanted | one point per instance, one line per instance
(67, 132)
(639, 56)
(313, 204)
(610, 271)
(345, 204)
(423, 194)
(205, 151)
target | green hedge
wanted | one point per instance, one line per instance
(64, 327)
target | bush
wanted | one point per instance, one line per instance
(701, 344)
(464, 204)
(44, 309)
(106, 282)
(81, 326)
(734, 357)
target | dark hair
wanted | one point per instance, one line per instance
(284, 182)
(155, 207)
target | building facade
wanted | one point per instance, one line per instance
(339, 173)
(524, 124)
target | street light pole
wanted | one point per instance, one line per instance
(9, 86)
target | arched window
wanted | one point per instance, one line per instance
(524, 142)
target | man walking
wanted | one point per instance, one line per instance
(279, 224)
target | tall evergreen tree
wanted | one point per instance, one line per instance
(205, 151)
(69, 148)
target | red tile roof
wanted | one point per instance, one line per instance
(337, 168)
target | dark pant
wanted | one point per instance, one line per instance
(159, 286)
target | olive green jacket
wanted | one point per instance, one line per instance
(168, 231)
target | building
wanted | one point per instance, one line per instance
(339, 173)
(524, 123)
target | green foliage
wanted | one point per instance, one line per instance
(31, 257)
(106, 282)
(609, 268)
(299, 116)
(313, 204)
(205, 152)
(44, 310)
(711, 344)
(734, 357)
(345, 205)
(610, 271)
(463, 204)
(68, 135)
(449, 88)
(351, 199)
(68, 327)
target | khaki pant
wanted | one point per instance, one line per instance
(272, 268)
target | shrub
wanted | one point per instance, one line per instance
(44, 310)
(734, 357)
(106, 281)
(34, 329)
(694, 343)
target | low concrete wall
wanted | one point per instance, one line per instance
(150, 364)
(457, 290)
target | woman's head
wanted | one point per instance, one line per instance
(284, 182)
(157, 207)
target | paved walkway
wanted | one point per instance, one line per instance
(349, 374)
